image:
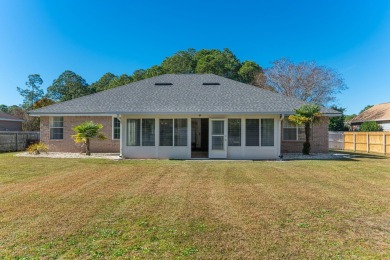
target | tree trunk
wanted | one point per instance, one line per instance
(306, 146)
(87, 151)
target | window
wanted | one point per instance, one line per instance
(148, 133)
(166, 132)
(134, 135)
(116, 128)
(252, 132)
(133, 132)
(173, 132)
(292, 132)
(180, 132)
(234, 132)
(56, 128)
(267, 132)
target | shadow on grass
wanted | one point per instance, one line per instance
(360, 154)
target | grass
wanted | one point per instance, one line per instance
(156, 209)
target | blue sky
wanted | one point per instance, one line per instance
(95, 37)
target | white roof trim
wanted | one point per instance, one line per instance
(11, 120)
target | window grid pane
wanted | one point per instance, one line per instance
(267, 132)
(234, 132)
(148, 132)
(133, 132)
(117, 128)
(166, 132)
(217, 142)
(180, 132)
(56, 128)
(218, 127)
(252, 132)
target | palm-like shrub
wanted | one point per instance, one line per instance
(306, 115)
(370, 126)
(87, 131)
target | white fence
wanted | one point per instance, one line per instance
(11, 141)
(336, 140)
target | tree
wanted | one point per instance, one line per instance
(305, 80)
(85, 132)
(103, 83)
(68, 86)
(365, 108)
(33, 92)
(337, 123)
(120, 81)
(153, 71)
(180, 62)
(223, 63)
(43, 102)
(249, 72)
(4, 108)
(370, 126)
(305, 116)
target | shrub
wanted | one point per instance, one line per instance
(370, 126)
(37, 148)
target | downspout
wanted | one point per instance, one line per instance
(280, 136)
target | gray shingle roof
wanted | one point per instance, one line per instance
(186, 95)
(8, 117)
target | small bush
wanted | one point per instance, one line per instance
(37, 148)
(370, 126)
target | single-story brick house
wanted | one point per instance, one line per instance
(9, 122)
(379, 113)
(182, 117)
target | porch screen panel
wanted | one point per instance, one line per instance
(267, 132)
(133, 132)
(180, 132)
(217, 135)
(148, 132)
(252, 132)
(166, 132)
(234, 132)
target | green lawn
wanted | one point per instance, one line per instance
(91, 208)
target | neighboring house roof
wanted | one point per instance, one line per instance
(180, 94)
(380, 112)
(8, 117)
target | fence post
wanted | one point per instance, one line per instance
(368, 143)
(354, 142)
(384, 143)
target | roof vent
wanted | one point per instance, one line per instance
(211, 83)
(163, 84)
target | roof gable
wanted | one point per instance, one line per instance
(180, 94)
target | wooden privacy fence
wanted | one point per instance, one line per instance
(374, 142)
(11, 141)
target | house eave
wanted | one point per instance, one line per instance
(173, 113)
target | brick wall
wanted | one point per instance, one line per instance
(10, 126)
(68, 145)
(319, 141)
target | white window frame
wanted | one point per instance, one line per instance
(113, 128)
(173, 132)
(51, 119)
(297, 127)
